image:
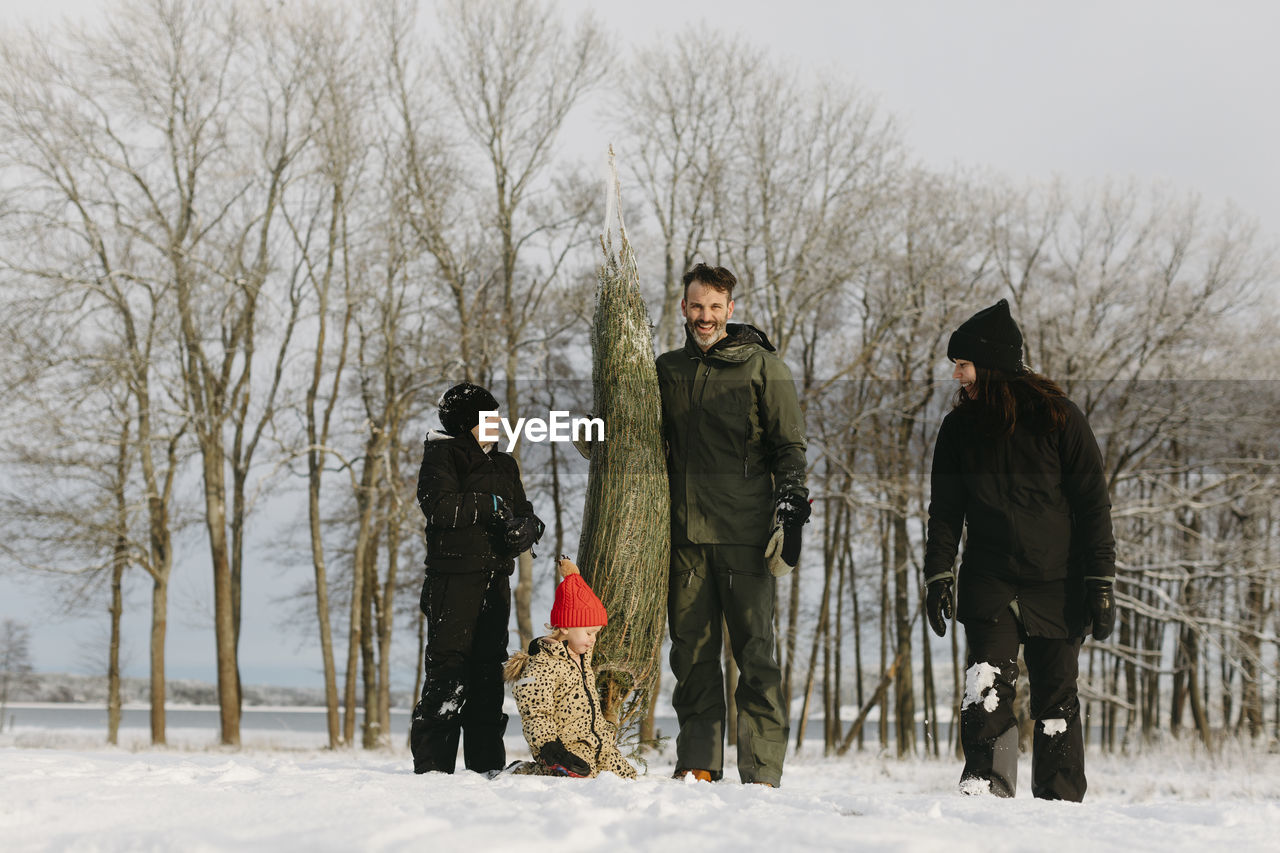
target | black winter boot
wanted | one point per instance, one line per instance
(1001, 776)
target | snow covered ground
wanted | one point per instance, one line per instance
(62, 790)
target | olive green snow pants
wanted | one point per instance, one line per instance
(710, 583)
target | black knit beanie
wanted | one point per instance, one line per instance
(989, 339)
(461, 405)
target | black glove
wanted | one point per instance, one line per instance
(521, 533)
(791, 536)
(500, 514)
(938, 604)
(793, 511)
(1102, 607)
(554, 755)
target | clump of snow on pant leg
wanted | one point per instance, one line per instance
(975, 787)
(1053, 727)
(451, 705)
(979, 686)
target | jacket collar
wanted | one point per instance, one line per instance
(467, 439)
(557, 649)
(740, 342)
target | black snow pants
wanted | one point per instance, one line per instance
(988, 728)
(467, 614)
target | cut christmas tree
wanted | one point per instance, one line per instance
(626, 529)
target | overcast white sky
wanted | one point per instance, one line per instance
(1180, 92)
(1183, 92)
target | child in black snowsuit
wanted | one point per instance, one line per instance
(478, 521)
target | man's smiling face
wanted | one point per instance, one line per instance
(706, 311)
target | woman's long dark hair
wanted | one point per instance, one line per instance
(1002, 400)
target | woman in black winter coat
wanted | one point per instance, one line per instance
(1016, 462)
(478, 521)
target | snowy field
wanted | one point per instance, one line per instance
(63, 790)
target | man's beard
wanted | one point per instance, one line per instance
(704, 341)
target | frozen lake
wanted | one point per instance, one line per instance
(62, 716)
(263, 722)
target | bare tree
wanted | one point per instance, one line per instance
(813, 163)
(94, 282)
(198, 157)
(15, 661)
(678, 131)
(319, 209)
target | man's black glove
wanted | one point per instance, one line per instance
(793, 511)
(939, 603)
(521, 533)
(793, 514)
(791, 537)
(1102, 607)
(554, 755)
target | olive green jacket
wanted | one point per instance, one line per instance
(735, 438)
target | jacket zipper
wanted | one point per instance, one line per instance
(488, 535)
(582, 668)
(695, 413)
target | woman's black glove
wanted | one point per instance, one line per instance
(938, 604)
(1102, 607)
(554, 755)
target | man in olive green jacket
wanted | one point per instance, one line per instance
(736, 456)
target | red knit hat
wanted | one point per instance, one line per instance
(576, 605)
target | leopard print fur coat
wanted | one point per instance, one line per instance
(557, 698)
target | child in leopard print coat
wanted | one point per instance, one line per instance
(555, 690)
